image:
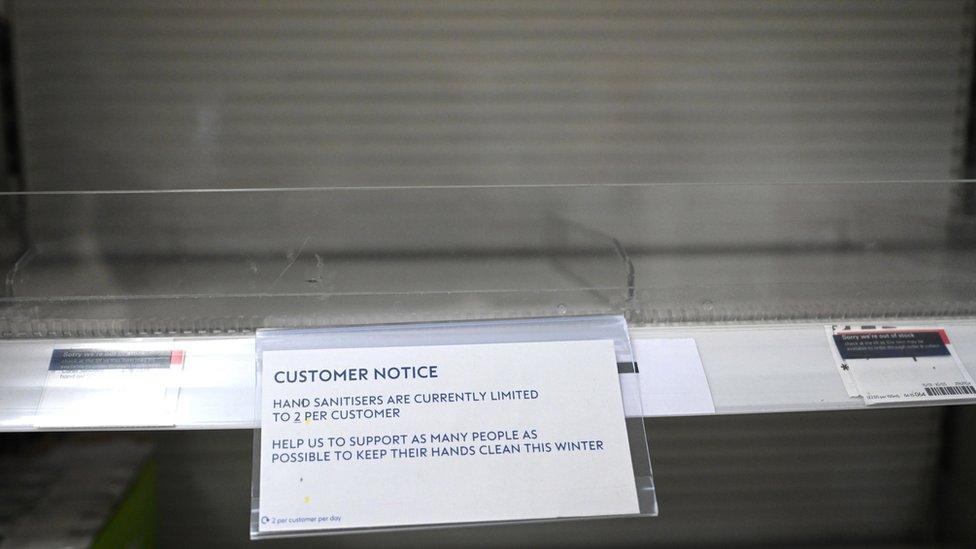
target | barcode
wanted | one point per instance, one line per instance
(949, 391)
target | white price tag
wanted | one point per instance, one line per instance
(672, 378)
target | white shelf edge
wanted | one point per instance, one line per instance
(761, 368)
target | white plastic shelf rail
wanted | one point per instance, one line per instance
(750, 369)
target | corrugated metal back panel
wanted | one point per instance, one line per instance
(131, 94)
(855, 477)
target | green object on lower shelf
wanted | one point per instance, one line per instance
(134, 523)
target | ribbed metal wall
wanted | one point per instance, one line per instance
(130, 94)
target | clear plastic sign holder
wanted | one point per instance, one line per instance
(560, 330)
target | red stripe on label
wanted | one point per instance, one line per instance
(176, 358)
(944, 336)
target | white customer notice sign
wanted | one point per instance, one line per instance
(418, 435)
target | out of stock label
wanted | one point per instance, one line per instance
(111, 384)
(897, 364)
